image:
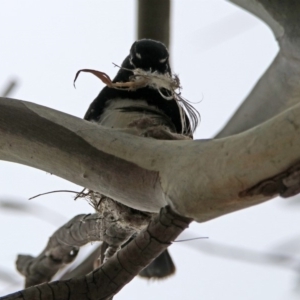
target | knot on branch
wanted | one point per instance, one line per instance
(285, 184)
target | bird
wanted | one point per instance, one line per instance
(120, 108)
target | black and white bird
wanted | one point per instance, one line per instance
(118, 108)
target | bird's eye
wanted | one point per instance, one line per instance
(163, 60)
(138, 55)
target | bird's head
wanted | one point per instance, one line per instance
(150, 55)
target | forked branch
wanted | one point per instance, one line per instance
(114, 224)
(120, 269)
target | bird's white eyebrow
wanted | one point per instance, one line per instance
(163, 60)
(138, 55)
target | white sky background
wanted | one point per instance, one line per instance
(219, 52)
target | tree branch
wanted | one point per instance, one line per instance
(199, 179)
(257, 9)
(114, 224)
(154, 20)
(118, 270)
(278, 89)
(286, 13)
(86, 266)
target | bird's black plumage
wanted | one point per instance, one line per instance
(150, 56)
(118, 108)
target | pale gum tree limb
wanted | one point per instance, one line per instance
(278, 89)
(201, 179)
(198, 179)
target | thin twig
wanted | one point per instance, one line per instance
(58, 191)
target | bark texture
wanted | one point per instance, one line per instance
(106, 281)
(114, 224)
(145, 173)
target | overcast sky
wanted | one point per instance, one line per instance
(219, 52)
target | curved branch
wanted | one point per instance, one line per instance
(257, 9)
(199, 179)
(278, 89)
